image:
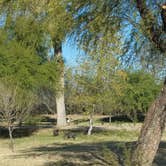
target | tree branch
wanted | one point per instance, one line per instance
(163, 16)
(152, 29)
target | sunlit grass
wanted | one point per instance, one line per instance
(113, 135)
(45, 137)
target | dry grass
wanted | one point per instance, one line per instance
(42, 149)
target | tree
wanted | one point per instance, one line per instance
(138, 95)
(21, 76)
(15, 104)
(141, 24)
(96, 84)
(58, 23)
(51, 23)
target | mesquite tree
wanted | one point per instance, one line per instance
(141, 25)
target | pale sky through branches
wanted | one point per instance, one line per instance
(71, 53)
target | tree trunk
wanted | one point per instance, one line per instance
(151, 132)
(90, 124)
(110, 118)
(61, 113)
(60, 102)
(91, 120)
(11, 145)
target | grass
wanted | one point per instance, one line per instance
(45, 136)
(43, 149)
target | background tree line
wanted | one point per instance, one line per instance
(112, 90)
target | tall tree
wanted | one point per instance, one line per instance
(52, 25)
(141, 26)
(59, 24)
(154, 124)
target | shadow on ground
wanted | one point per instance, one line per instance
(160, 159)
(75, 154)
(122, 118)
(18, 132)
(85, 154)
(49, 120)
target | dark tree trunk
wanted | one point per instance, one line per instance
(151, 132)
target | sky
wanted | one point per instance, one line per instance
(71, 53)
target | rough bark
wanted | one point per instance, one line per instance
(154, 123)
(151, 132)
